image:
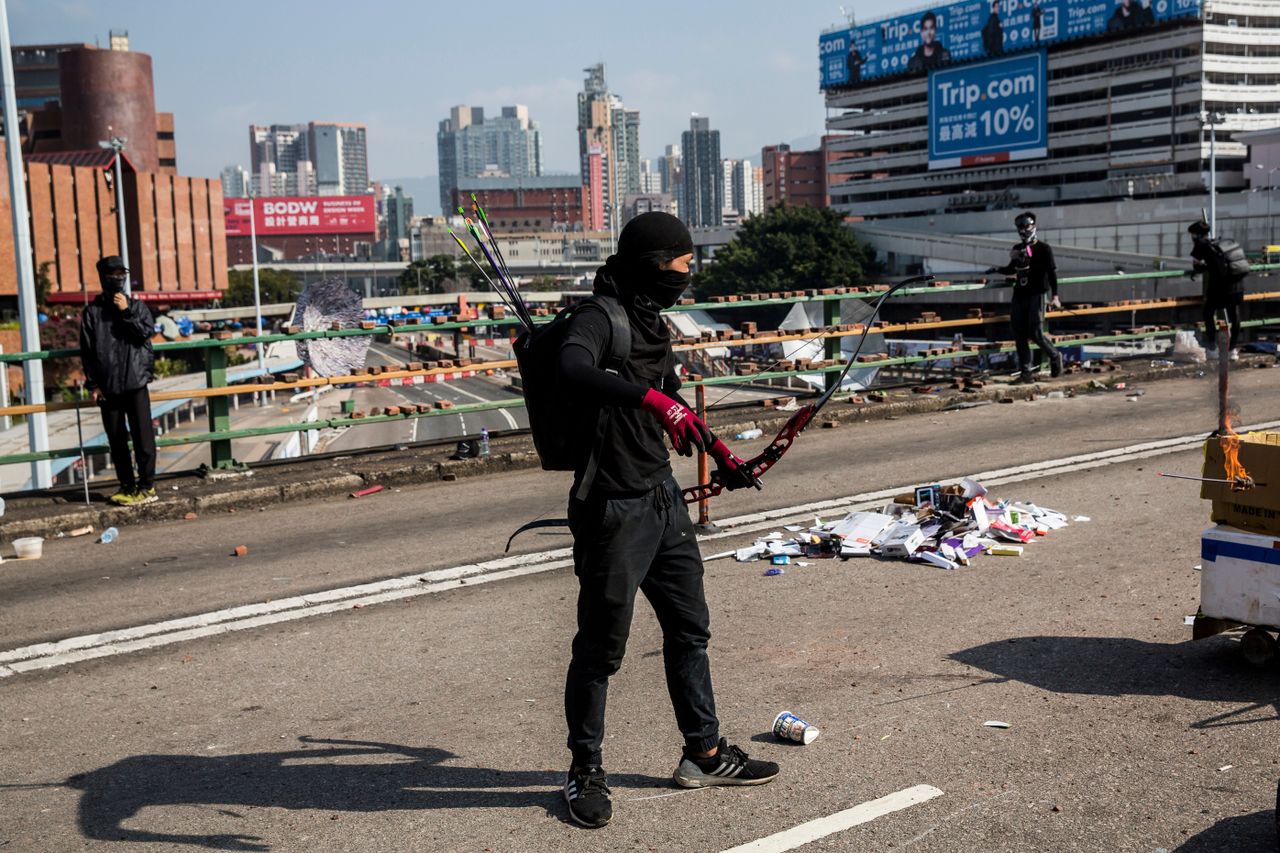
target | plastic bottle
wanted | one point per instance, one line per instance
(484, 441)
(747, 435)
(108, 536)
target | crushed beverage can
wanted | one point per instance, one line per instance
(774, 571)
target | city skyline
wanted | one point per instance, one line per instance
(741, 62)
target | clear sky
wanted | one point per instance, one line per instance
(397, 66)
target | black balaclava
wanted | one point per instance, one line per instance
(112, 274)
(645, 290)
(1026, 225)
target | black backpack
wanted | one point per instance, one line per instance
(557, 434)
(1229, 261)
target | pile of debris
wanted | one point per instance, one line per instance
(943, 526)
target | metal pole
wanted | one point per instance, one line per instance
(84, 462)
(257, 294)
(29, 322)
(6, 422)
(1213, 175)
(118, 144)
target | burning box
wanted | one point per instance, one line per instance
(1256, 508)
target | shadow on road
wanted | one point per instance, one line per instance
(1209, 670)
(401, 778)
(1255, 831)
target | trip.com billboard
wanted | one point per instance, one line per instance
(289, 215)
(928, 39)
(988, 112)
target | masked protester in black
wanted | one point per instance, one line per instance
(115, 350)
(633, 532)
(1035, 276)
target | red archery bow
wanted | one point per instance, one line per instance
(759, 464)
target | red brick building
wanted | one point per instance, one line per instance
(797, 178)
(177, 242)
(542, 203)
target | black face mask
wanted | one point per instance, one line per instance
(113, 284)
(668, 287)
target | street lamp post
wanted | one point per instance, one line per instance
(117, 144)
(1213, 119)
(257, 292)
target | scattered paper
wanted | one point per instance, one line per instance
(997, 724)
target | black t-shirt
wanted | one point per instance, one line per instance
(633, 456)
(1036, 278)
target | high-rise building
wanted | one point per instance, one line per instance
(319, 158)
(703, 175)
(604, 123)
(671, 170)
(743, 188)
(236, 182)
(650, 179)
(469, 145)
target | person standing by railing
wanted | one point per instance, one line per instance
(115, 349)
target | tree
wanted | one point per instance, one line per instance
(415, 278)
(44, 285)
(787, 248)
(543, 284)
(444, 271)
(276, 286)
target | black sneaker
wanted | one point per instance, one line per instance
(586, 790)
(1024, 378)
(729, 766)
(1055, 367)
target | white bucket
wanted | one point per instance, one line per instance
(29, 547)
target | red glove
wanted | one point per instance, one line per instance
(730, 470)
(685, 429)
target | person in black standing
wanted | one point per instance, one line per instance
(1035, 276)
(1222, 291)
(115, 349)
(632, 531)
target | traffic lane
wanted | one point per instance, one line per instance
(1120, 726)
(463, 392)
(159, 571)
(378, 434)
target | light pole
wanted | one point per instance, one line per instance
(1213, 119)
(1271, 191)
(257, 293)
(28, 321)
(117, 144)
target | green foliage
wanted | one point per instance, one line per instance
(434, 275)
(43, 285)
(787, 248)
(170, 367)
(276, 286)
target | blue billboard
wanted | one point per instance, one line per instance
(928, 39)
(989, 112)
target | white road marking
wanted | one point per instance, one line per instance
(866, 812)
(506, 414)
(121, 641)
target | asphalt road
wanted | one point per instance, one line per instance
(434, 723)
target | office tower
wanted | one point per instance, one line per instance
(470, 145)
(703, 176)
(319, 158)
(605, 124)
(236, 182)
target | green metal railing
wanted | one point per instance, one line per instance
(220, 434)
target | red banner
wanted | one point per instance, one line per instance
(343, 214)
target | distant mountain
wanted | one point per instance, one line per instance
(425, 192)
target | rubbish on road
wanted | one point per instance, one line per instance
(81, 531)
(240, 551)
(484, 442)
(1056, 395)
(788, 726)
(108, 536)
(773, 571)
(1081, 518)
(946, 526)
(748, 434)
(372, 490)
(1188, 620)
(1225, 767)
(30, 547)
(780, 560)
(191, 516)
(997, 724)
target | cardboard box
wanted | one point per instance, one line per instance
(1256, 509)
(1240, 577)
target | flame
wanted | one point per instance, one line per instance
(1233, 470)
